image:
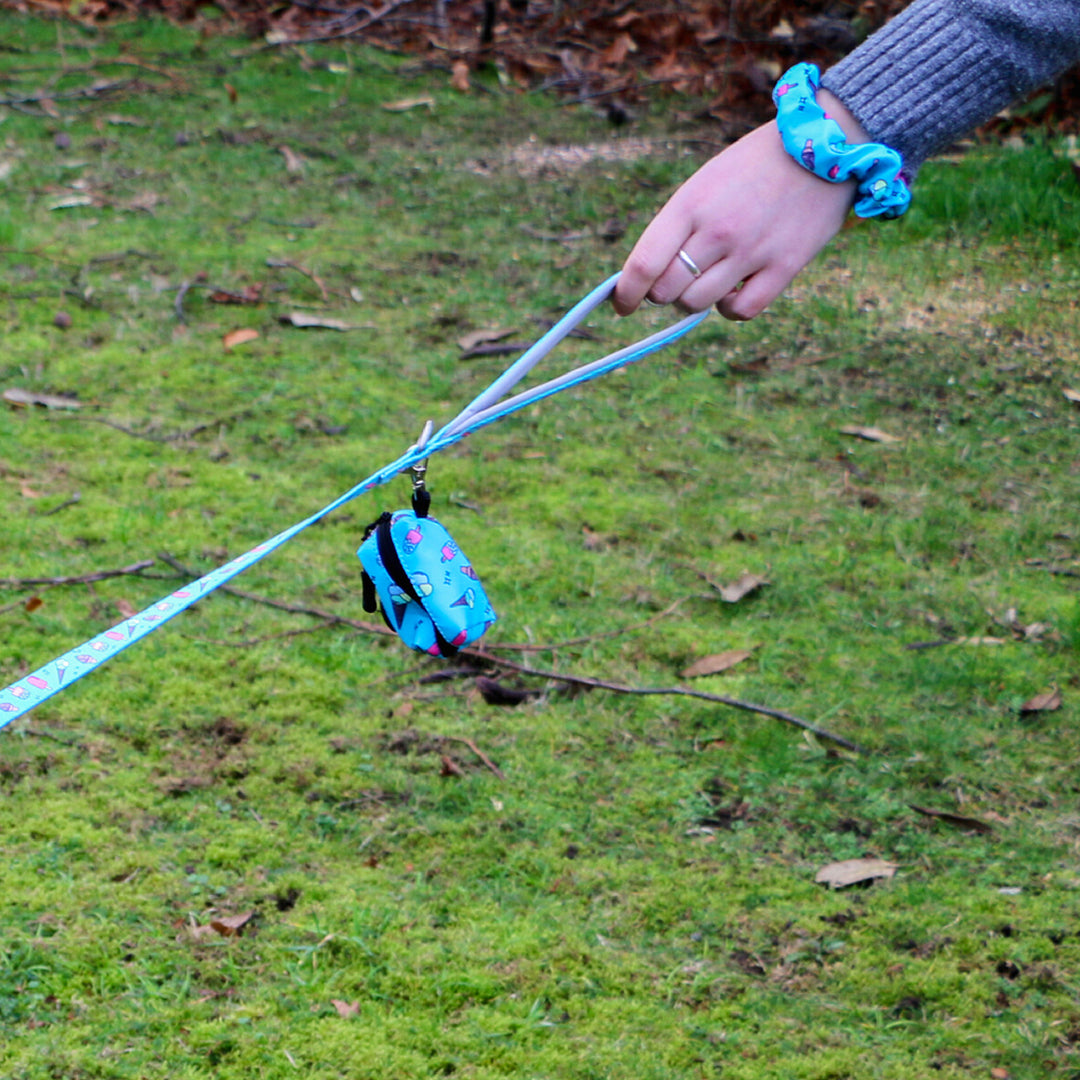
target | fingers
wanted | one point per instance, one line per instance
(647, 263)
(714, 284)
(740, 290)
(691, 273)
(687, 267)
(750, 297)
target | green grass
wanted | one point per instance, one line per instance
(637, 897)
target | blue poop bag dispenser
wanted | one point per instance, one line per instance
(426, 588)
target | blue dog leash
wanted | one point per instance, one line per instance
(486, 408)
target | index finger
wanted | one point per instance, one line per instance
(650, 257)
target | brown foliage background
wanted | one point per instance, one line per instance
(727, 55)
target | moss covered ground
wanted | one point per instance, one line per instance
(635, 894)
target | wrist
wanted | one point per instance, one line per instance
(819, 133)
(854, 132)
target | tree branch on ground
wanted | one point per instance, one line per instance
(679, 691)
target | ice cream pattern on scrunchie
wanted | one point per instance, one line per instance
(818, 143)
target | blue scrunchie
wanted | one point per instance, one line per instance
(817, 142)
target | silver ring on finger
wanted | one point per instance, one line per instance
(689, 263)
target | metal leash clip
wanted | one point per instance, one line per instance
(419, 469)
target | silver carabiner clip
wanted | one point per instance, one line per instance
(419, 470)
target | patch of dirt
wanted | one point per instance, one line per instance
(532, 160)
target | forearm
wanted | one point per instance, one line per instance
(942, 67)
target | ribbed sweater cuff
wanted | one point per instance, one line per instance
(921, 82)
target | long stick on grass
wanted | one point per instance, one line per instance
(577, 680)
(679, 691)
(78, 579)
(282, 605)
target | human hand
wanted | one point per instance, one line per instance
(750, 219)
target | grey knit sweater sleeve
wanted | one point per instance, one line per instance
(942, 67)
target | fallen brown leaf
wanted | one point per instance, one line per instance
(1047, 701)
(239, 336)
(594, 540)
(144, 202)
(839, 875)
(251, 294)
(294, 163)
(71, 201)
(494, 693)
(496, 348)
(758, 366)
(746, 584)
(127, 610)
(1071, 395)
(18, 397)
(345, 1009)
(450, 767)
(33, 603)
(961, 821)
(459, 78)
(426, 101)
(303, 320)
(468, 342)
(619, 49)
(232, 925)
(871, 434)
(715, 664)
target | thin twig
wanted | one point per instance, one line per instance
(178, 303)
(478, 752)
(248, 643)
(79, 579)
(288, 264)
(296, 609)
(450, 767)
(1051, 568)
(83, 69)
(75, 497)
(680, 691)
(372, 18)
(176, 436)
(40, 733)
(84, 92)
(14, 604)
